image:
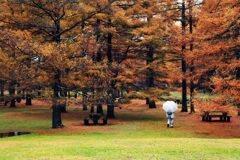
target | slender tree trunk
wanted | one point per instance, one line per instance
(110, 105)
(84, 99)
(1, 88)
(100, 108)
(98, 35)
(68, 94)
(192, 86)
(110, 111)
(150, 75)
(184, 64)
(2, 91)
(109, 44)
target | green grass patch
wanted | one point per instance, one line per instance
(142, 136)
(103, 146)
(201, 96)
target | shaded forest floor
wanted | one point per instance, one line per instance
(136, 133)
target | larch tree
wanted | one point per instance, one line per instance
(52, 23)
(16, 61)
(216, 51)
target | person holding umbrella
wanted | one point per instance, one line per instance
(170, 107)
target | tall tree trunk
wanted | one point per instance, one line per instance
(150, 74)
(110, 105)
(184, 64)
(192, 86)
(56, 108)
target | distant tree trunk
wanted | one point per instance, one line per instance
(109, 43)
(110, 105)
(38, 91)
(184, 64)
(1, 88)
(147, 100)
(1, 91)
(84, 99)
(98, 35)
(192, 86)
(68, 94)
(152, 104)
(99, 108)
(12, 94)
(28, 100)
(75, 95)
(110, 111)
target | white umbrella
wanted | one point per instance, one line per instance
(170, 106)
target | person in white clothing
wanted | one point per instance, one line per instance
(170, 107)
(170, 119)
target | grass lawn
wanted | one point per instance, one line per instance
(200, 96)
(135, 134)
